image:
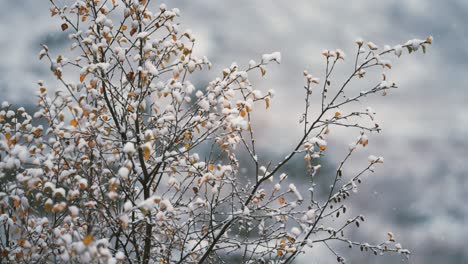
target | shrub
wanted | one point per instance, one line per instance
(131, 162)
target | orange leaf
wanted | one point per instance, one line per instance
(37, 132)
(147, 153)
(11, 142)
(281, 200)
(74, 123)
(267, 102)
(211, 167)
(82, 77)
(242, 113)
(87, 240)
(123, 27)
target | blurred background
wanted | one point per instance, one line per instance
(418, 193)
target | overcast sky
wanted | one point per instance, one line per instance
(419, 191)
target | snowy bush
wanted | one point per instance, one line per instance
(131, 163)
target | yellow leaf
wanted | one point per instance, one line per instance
(211, 167)
(187, 146)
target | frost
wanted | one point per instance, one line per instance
(129, 148)
(293, 188)
(372, 46)
(124, 172)
(296, 231)
(114, 162)
(73, 210)
(359, 42)
(143, 35)
(151, 68)
(398, 50)
(191, 66)
(128, 206)
(374, 159)
(165, 205)
(246, 211)
(275, 56)
(204, 104)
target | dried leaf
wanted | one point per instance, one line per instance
(242, 113)
(87, 240)
(74, 123)
(147, 153)
(82, 77)
(64, 26)
(281, 200)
